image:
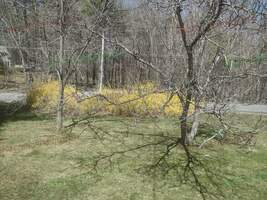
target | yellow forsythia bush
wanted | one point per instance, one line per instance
(139, 99)
(44, 97)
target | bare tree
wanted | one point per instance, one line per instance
(101, 71)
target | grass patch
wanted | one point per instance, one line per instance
(36, 163)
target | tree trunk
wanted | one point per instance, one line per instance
(76, 79)
(120, 73)
(94, 74)
(188, 98)
(191, 136)
(60, 72)
(101, 72)
(87, 76)
(29, 76)
(184, 125)
(60, 112)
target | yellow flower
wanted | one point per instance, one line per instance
(140, 99)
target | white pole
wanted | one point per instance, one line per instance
(102, 64)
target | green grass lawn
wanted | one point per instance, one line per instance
(37, 163)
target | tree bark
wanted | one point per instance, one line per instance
(101, 72)
(60, 72)
(60, 112)
(191, 136)
(188, 98)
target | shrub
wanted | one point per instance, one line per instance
(44, 97)
(141, 99)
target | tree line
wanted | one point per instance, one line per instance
(212, 50)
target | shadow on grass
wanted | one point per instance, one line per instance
(22, 115)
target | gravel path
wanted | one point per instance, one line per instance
(12, 97)
(248, 108)
(11, 102)
(239, 108)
